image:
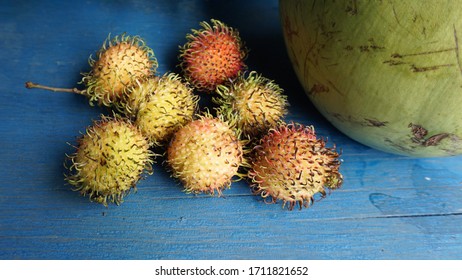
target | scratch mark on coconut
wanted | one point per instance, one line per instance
(399, 56)
(396, 15)
(396, 56)
(417, 69)
(349, 48)
(306, 68)
(398, 146)
(392, 62)
(370, 46)
(310, 57)
(319, 88)
(346, 119)
(370, 122)
(375, 123)
(398, 59)
(352, 7)
(419, 133)
(289, 31)
(435, 139)
(456, 41)
(335, 88)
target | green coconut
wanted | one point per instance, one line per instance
(386, 73)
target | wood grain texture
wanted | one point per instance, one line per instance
(390, 207)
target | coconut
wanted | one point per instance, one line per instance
(386, 73)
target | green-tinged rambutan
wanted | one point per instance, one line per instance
(205, 155)
(110, 159)
(120, 63)
(256, 102)
(160, 105)
(291, 164)
(212, 55)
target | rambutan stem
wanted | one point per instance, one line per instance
(55, 89)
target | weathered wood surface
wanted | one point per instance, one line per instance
(390, 207)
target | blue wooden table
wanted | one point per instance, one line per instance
(390, 207)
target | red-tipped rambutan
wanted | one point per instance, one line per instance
(212, 56)
(291, 164)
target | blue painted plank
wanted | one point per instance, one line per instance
(235, 227)
(390, 207)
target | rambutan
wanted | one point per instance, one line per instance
(110, 159)
(160, 105)
(212, 55)
(121, 62)
(291, 164)
(256, 102)
(205, 155)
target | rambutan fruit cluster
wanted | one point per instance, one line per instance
(244, 137)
